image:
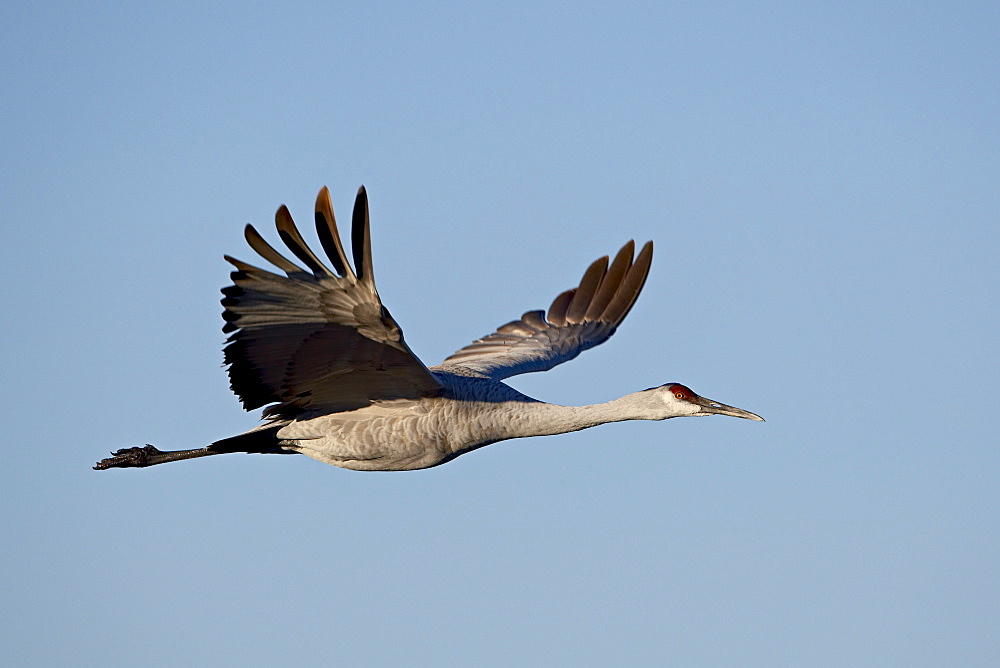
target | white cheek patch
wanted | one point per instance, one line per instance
(680, 406)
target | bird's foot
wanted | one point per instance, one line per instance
(129, 457)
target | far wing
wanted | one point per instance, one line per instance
(316, 340)
(578, 319)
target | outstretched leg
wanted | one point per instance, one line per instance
(148, 456)
(263, 441)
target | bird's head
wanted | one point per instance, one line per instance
(680, 401)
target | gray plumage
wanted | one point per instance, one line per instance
(317, 348)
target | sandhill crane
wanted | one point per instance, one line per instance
(319, 350)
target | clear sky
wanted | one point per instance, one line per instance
(820, 179)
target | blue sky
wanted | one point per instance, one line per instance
(821, 183)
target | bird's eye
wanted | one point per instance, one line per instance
(679, 395)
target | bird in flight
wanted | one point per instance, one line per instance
(320, 352)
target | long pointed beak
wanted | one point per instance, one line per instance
(709, 407)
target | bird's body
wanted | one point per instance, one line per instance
(325, 357)
(406, 434)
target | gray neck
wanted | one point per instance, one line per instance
(541, 419)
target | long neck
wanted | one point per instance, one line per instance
(542, 419)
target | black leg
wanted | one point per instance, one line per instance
(148, 456)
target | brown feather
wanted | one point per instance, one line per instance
(631, 285)
(329, 237)
(589, 284)
(612, 279)
(361, 243)
(266, 251)
(290, 235)
(557, 311)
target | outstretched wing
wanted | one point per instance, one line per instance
(316, 341)
(578, 319)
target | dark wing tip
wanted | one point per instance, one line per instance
(266, 251)
(631, 286)
(589, 285)
(290, 235)
(557, 310)
(610, 282)
(329, 236)
(361, 245)
(606, 292)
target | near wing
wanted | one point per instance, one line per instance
(578, 319)
(316, 341)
